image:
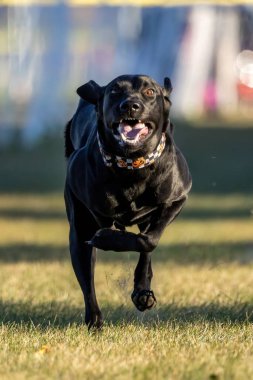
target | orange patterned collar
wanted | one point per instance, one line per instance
(128, 163)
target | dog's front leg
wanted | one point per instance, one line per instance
(163, 216)
(143, 297)
(115, 240)
(110, 239)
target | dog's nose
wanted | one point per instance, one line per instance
(128, 105)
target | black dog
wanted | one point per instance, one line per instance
(123, 169)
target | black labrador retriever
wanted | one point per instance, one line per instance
(123, 169)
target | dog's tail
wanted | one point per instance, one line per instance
(68, 143)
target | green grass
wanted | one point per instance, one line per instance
(203, 274)
(202, 327)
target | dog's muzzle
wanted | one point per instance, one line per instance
(132, 131)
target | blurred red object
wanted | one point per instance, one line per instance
(244, 92)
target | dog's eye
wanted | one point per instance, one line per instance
(150, 92)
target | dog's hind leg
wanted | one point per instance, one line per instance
(143, 297)
(83, 257)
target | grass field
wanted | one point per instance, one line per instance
(203, 275)
(202, 327)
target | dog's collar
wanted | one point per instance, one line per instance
(128, 163)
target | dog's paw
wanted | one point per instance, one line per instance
(94, 321)
(143, 299)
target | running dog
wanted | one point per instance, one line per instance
(123, 169)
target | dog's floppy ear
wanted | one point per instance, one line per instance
(167, 89)
(167, 85)
(91, 92)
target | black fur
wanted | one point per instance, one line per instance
(102, 201)
(69, 149)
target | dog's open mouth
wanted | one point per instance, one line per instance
(133, 131)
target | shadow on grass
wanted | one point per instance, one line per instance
(207, 312)
(193, 213)
(188, 254)
(180, 254)
(32, 214)
(44, 314)
(15, 253)
(216, 213)
(60, 315)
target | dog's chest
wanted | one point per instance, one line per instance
(129, 206)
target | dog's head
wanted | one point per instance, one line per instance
(132, 110)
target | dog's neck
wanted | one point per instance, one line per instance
(129, 163)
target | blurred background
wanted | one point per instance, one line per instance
(49, 48)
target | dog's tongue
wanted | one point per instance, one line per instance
(131, 132)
